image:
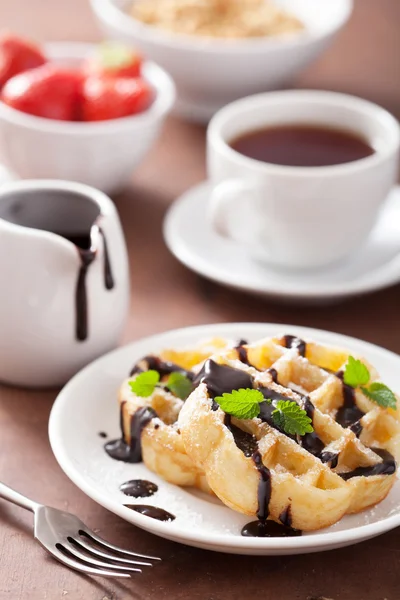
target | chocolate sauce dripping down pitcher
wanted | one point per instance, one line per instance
(64, 270)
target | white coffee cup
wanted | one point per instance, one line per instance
(300, 217)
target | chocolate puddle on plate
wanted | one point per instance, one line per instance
(138, 488)
(152, 511)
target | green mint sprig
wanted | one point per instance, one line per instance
(291, 418)
(356, 374)
(179, 384)
(242, 404)
(245, 404)
(145, 384)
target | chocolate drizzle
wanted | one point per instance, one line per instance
(274, 375)
(269, 529)
(246, 442)
(264, 488)
(86, 256)
(163, 367)
(242, 352)
(349, 413)
(264, 527)
(107, 271)
(386, 467)
(221, 379)
(286, 516)
(138, 488)
(356, 428)
(291, 341)
(242, 355)
(132, 452)
(152, 511)
(330, 457)
(87, 250)
(310, 441)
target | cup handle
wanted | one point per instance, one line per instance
(232, 211)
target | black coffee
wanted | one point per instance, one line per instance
(302, 145)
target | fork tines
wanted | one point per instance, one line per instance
(91, 554)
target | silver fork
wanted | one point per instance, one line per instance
(66, 538)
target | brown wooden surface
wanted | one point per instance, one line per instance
(364, 60)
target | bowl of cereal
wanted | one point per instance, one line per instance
(220, 50)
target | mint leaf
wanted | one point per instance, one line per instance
(242, 404)
(356, 373)
(144, 384)
(381, 394)
(179, 384)
(292, 419)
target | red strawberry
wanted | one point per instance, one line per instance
(105, 98)
(113, 59)
(48, 91)
(17, 55)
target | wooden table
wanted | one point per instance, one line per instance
(363, 61)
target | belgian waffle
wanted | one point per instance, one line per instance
(308, 482)
(149, 426)
(316, 370)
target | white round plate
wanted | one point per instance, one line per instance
(191, 239)
(88, 405)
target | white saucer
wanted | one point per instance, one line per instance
(190, 238)
(6, 175)
(88, 405)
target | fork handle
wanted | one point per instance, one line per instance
(16, 498)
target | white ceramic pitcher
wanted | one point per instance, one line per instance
(64, 280)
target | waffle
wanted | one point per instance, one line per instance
(308, 482)
(317, 371)
(149, 425)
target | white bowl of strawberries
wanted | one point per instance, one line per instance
(79, 112)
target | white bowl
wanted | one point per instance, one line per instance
(210, 73)
(101, 154)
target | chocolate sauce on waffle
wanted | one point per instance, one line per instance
(264, 488)
(270, 394)
(221, 379)
(266, 409)
(242, 355)
(348, 413)
(286, 516)
(310, 441)
(264, 527)
(242, 352)
(330, 457)
(356, 428)
(246, 442)
(152, 511)
(269, 529)
(138, 488)
(386, 467)
(291, 341)
(163, 367)
(120, 449)
(274, 375)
